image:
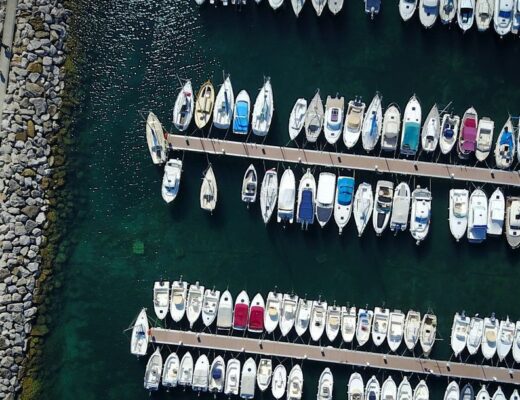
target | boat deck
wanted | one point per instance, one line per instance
(335, 355)
(344, 160)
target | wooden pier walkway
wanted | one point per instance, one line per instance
(357, 358)
(344, 160)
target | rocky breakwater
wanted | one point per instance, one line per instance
(28, 160)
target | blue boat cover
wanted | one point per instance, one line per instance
(217, 373)
(306, 212)
(373, 126)
(345, 190)
(241, 121)
(505, 14)
(411, 138)
(373, 4)
(506, 138)
(448, 133)
(431, 10)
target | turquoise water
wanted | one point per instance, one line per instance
(134, 53)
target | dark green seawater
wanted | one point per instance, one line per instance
(134, 52)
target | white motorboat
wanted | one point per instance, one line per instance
(333, 322)
(185, 370)
(171, 371)
(200, 380)
(275, 4)
(325, 197)
(288, 313)
(210, 306)
(353, 122)
(404, 391)
(447, 10)
(224, 105)
(249, 185)
(241, 113)
(314, 118)
(372, 389)
(513, 221)
(505, 146)
(306, 200)
(515, 27)
(431, 130)
(217, 375)
(428, 333)
(466, 14)
(248, 379)
(343, 201)
(297, 6)
(499, 394)
(232, 382)
(483, 394)
(428, 12)
(225, 311)
(152, 375)
(241, 312)
(194, 303)
(295, 383)
(449, 132)
(400, 208)
(452, 391)
(264, 374)
(372, 124)
(467, 392)
(486, 127)
(256, 314)
(516, 343)
(208, 190)
(286, 197)
(140, 337)
(171, 180)
(459, 333)
(411, 128)
(421, 214)
(263, 110)
(363, 204)
(468, 134)
(335, 6)
(389, 389)
(364, 325)
(356, 388)
(325, 385)
(391, 127)
(489, 337)
(506, 332)
(476, 329)
(272, 311)
(477, 216)
(380, 325)
(161, 298)
(334, 109)
(297, 117)
(496, 213)
(303, 316)
(319, 5)
(503, 16)
(183, 108)
(317, 321)
(459, 203)
(348, 323)
(268, 194)
(484, 14)
(382, 206)
(279, 382)
(204, 104)
(155, 139)
(412, 327)
(407, 9)
(421, 391)
(515, 395)
(395, 330)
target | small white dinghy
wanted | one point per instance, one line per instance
(382, 206)
(317, 321)
(249, 185)
(421, 214)
(428, 12)
(459, 333)
(372, 389)
(256, 314)
(210, 306)
(314, 118)
(306, 200)
(428, 333)
(248, 379)
(407, 9)
(224, 105)
(372, 124)
(272, 311)
(447, 11)
(263, 110)
(297, 117)
(194, 303)
(232, 382)
(466, 14)
(334, 109)
(483, 394)
(325, 385)
(303, 316)
(183, 108)
(431, 130)
(391, 127)
(325, 197)
(288, 313)
(161, 298)
(395, 330)
(217, 375)
(380, 325)
(506, 331)
(459, 203)
(152, 375)
(477, 217)
(171, 371)
(279, 382)
(400, 208)
(200, 380)
(412, 327)
(449, 132)
(505, 146)
(139, 340)
(363, 203)
(484, 14)
(389, 389)
(489, 337)
(268, 194)
(333, 322)
(297, 6)
(208, 191)
(155, 139)
(452, 391)
(356, 387)
(496, 213)
(353, 122)
(179, 295)
(264, 373)
(225, 311)
(364, 324)
(295, 383)
(404, 391)
(343, 201)
(516, 343)
(286, 197)
(486, 127)
(185, 370)
(348, 323)
(421, 391)
(476, 329)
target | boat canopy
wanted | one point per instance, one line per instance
(286, 199)
(504, 14)
(241, 121)
(256, 318)
(469, 134)
(411, 138)
(373, 5)
(345, 191)
(306, 212)
(240, 320)
(448, 133)
(506, 138)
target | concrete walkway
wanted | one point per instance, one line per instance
(7, 39)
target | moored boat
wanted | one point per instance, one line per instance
(505, 146)
(395, 330)
(499, 394)
(295, 383)
(411, 128)
(348, 323)
(391, 127)
(275, 4)
(171, 371)
(241, 312)
(516, 344)
(314, 119)
(447, 10)
(496, 213)
(208, 190)
(279, 382)
(364, 325)
(382, 206)
(356, 387)
(489, 337)
(325, 385)
(317, 320)
(335, 6)
(513, 221)
(449, 132)
(428, 12)
(372, 124)
(241, 113)
(477, 216)
(400, 208)
(421, 391)
(183, 108)
(333, 322)
(372, 389)
(484, 14)
(306, 200)
(185, 370)
(319, 5)
(256, 314)
(430, 133)
(217, 375)
(485, 131)
(288, 313)
(503, 16)
(421, 214)
(506, 331)
(225, 311)
(140, 336)
(194, 303)
(483, 394)
(155, 139)
(210, 306)
(303, 316)
(428, 333)
(204, 104)
(459, 333)
(380, 325)
(452, 391)
(468, 134)
(389, 389)
(404, 391)
(297, 6)
(333, 124)
(343, 201)
(161, 298)
(232, 382)
(248, 379)
(249, 185)
(200, 380)
(272, 311)
(407, 9)
(264, 374)
(171, 180)
(268, 194)
(467, 392)
(325, 197)
(286, 197)
(297, 117)
(353, 122)
(224, 105)
(412, 327)
(263, 110)
(465, 14)
(476, 329)
(372, 7)
(152, 375)
(459, 206)
(363, 204)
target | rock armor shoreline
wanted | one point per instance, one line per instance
(31, 120)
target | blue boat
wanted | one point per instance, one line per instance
(372, 7)
(411, 128)
(306, 200)
(241, 114)
(344, 197)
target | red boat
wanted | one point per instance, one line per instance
(468, 133)
(256, 314)
(241, 313)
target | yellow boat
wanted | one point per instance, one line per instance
(204, 104)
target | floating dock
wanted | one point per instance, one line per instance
(358, 358)
(344, 160)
